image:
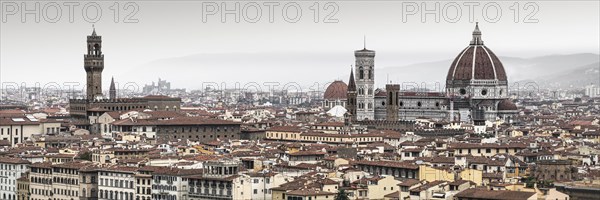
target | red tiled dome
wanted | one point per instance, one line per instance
(476, 62)
(506, 104)
(336, 90)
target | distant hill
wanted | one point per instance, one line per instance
(563, 70)
(575, 77)
(309, 68)
(194, 70)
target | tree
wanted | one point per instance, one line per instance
(529, 181)
(86, 156)
(341, 195)
(545, 184)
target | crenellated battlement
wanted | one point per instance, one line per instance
(385, 122)
(87, 57)
(120, 100)
(433, 133)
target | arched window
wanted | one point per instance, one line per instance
(96, 49)
(370, 74)
(361, 73)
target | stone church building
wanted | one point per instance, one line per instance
(476, 81)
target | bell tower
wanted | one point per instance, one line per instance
(94, 64)
(365, 81)
(392, 101)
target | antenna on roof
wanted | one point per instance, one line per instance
(364, 41)
(388, 78)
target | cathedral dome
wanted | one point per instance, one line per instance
(476, 63)
(336, 90)
(507, 104)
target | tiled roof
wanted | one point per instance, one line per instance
(73, 165)
(409, 182)
(17, 121)
(285, 129)
(175, 121)
(473, 193)
(487, 145)
(309, 192)
(336, 90)
(10, 160)
(393, 164)
(427, 186)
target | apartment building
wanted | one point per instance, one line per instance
(220, 180)
(11, 169)
(88, 184)
(41, 181)
(116, 183)
(143, 183)
(65, 180)
(170, 183)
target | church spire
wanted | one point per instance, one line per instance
(113, 90)
(351, 83)
(476, 35)
(351, 99)
(94, 30)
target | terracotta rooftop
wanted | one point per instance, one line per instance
(175, 121)
(285, 129)
(474, 193)
(11, 160)
(427, 186)
(409, 182)
(393, 164)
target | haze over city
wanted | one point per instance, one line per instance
(171, 41)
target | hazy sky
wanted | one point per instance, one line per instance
(168, 30)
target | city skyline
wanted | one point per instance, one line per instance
(299, 100)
